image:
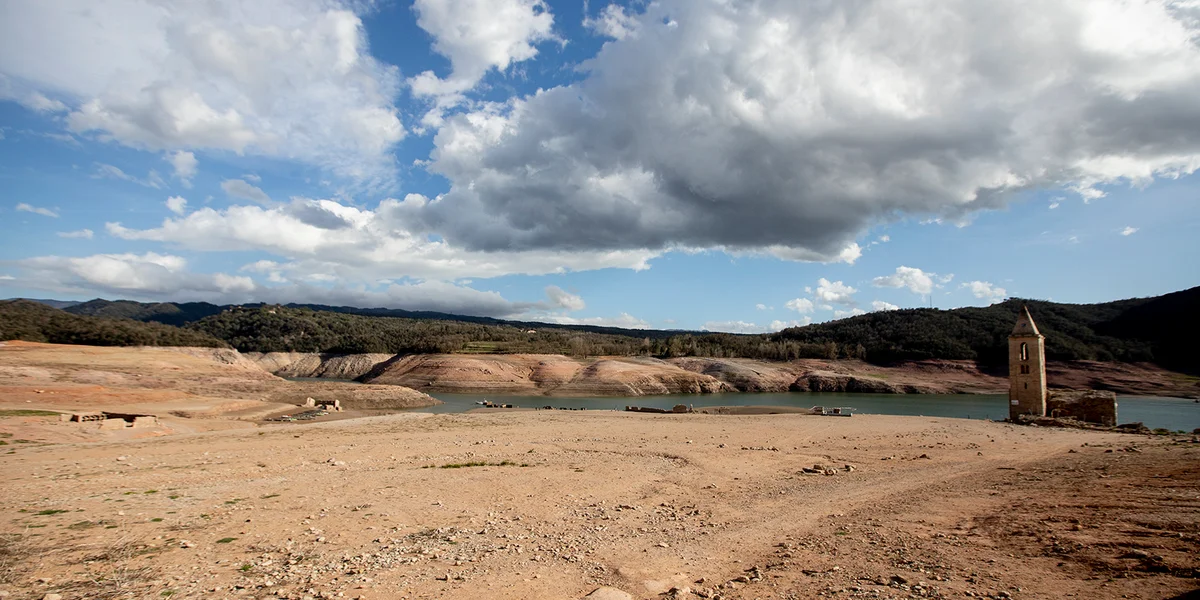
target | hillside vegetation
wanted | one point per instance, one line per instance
(1161, 330)
(36, 322)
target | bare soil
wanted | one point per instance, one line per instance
(554, 505)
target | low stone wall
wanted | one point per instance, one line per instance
(1090, 406)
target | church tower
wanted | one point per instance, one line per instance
(1026, 368)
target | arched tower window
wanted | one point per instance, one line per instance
(1024, 351)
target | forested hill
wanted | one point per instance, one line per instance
(182, 313)
(38, 322)
(1162, 330)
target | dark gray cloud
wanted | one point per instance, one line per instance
(797, 125)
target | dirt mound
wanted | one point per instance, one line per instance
(533, 374)
(198, 387)
(308, 364)
(741, 374)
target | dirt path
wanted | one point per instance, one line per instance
(571, 502)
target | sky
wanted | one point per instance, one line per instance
(729, 165)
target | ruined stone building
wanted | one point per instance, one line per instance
(1028, 395)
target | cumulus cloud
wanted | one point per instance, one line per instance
(355, 244)
(37, 210)
(878, 305)
(177, 204)
(801, 305)
(613, 21)
(138, 275)
(170, 75)
(916, 280)
(477, 36)
(761, 306)
(155, 276)
(986, 291)
(1129, 231)
(82, 234)
(834, 292)
(853, 312)
(799, 124)
(184, 164)
(240, 189)
(563, 299)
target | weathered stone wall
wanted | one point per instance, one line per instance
(1091, 406)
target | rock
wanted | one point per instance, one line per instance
(122, 458)
(186, 544)
(52, 597)
(608, 593)
(898, 579)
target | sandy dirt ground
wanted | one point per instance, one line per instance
(551, 505)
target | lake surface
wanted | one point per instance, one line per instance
(1171, 413)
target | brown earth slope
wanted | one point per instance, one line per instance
(550, 506)
(184, 382)
(533, 374)
(553, 374)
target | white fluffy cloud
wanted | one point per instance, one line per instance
(477, 36)
(37, 210)
(185, 165)
(358, 245)
(1129, 231)
(177, 204)
(154, 276)
(797, 124)
(245, 191)
(280, 78)
(136, 275)
(82, 234)
(916, 280)
(881, 305)
(986, 291)
(853, 312)
(834, 292)
(613, 21)
(801, 305)
(564, 299)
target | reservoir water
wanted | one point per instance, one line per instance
(1171, 413)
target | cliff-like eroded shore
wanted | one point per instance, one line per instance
(557, 375)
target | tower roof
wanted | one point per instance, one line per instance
(1025, 325)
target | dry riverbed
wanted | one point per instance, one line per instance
(556, 505)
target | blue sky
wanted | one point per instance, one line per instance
(740, 166)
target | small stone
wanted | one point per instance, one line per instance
(52, 597)
(122, 458)
(899, 579)
(186, 544)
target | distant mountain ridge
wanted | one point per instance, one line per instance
(1162, 329)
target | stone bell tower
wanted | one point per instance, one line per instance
(1026, 368)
